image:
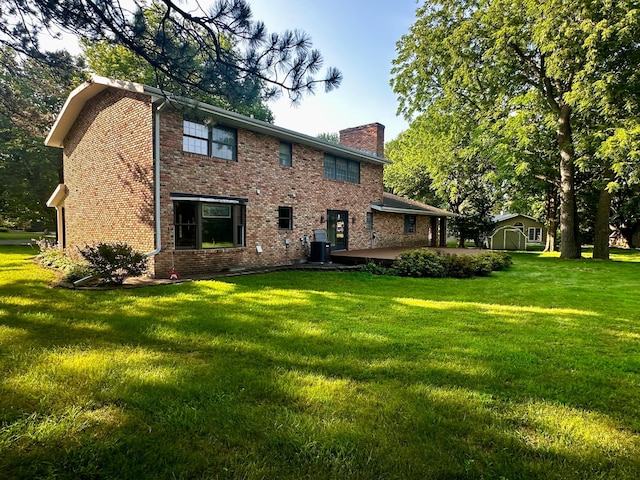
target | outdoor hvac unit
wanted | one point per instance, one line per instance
(320, 248)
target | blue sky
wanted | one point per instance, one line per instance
(359, 38)
(356, 36)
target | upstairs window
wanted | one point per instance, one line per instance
(285, 154)
(336, 168)
(224, 142)
(195, 138)
(216, 141)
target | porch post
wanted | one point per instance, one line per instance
(434, 231)
(443, 231)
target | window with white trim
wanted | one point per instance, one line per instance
(535, 234)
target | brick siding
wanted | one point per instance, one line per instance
(108, 168)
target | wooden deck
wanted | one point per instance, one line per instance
(388, 255)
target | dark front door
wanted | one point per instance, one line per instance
(338, 229)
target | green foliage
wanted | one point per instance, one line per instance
(50, 256)
(424, 263)
(374, 269)
(114, 262)
(459, 266)
(4, 229)
(496, 260)
(419, 263)
(31, 94)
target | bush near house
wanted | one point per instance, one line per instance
(112, 263)
(425, 263)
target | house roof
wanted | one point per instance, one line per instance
(396, 204)
(508, 216)
(81, 95)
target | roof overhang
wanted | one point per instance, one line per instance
(81, 95)
(58, 196)
(410, 211)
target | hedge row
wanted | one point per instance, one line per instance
(425, 263)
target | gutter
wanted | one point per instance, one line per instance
(156, 174)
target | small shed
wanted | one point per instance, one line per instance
(514, 231)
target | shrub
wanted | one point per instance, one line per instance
(419, 263)
(458, 266)
(497, 260)
(4, 229)
(114, 262)
(374, 268)
(51, 256)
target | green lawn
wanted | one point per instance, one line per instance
(19, 235)
(532, 373)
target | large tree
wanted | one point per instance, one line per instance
(242, 95)
(568, 52)
(442, 158)
(31, 93)
(276, 62)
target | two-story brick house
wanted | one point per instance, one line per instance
(204, 189)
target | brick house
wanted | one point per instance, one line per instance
(204, 189)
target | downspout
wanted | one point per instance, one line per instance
(156, 161)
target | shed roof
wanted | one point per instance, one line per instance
(508, 216)
(81, 95)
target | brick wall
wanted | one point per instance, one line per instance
(389, 229)
(258, 176)
(109, 172)
(108, 169)
(365, 137)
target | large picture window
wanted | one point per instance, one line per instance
(215, 141)
(203, 225)
(336, 168)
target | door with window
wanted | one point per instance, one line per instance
(338, 229)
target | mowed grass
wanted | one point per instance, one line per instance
(532, 373)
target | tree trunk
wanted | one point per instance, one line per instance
(601, 233)
(552, 219)
(569, 244)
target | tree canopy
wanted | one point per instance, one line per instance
(277, 62)
(579, 58)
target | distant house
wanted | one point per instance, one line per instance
(515, 231)
(203, 189)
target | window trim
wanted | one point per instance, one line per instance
(535, 237)
(410, 223)
(288, 218)
(289, 158)
(237, 215)
(210, 139)
(352, 169)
